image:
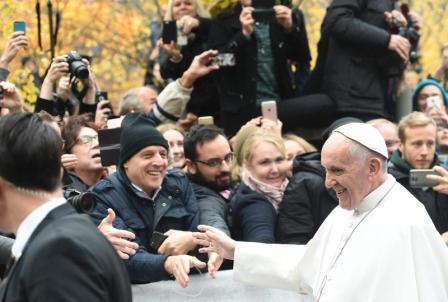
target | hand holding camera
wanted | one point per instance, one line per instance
(198, 68)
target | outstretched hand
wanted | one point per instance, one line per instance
(118, 238)
(215, 241)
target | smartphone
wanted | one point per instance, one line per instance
(434, 102)
(101, 96)
(157, 239)
(223, 59)
(263, 3)
(206, 120)
(269, 110)
(417, 178)
(169, 32)
(19, 26)
(109, 141)
(263, 15)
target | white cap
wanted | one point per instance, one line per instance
(366, 135)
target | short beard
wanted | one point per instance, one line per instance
(199, 178)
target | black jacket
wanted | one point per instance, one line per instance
(353, 48)
(213, 208)
(253, 216)
(174, 207)
(306, 203)
(436, 203)
(203, 99)
(237, 85)
(67, 259)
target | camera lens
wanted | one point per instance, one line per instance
(79, 69)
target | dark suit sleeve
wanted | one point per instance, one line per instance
(63, 270)
(295, 224)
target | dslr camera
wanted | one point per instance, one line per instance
(410, 32)
(77, 67)
(83, 202)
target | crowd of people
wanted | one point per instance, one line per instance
(245, 192)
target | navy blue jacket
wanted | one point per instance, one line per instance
(253, 216)
(175, 207)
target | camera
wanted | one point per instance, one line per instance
(77, 67)
(83, 202)
(410, 32)
(413, 36)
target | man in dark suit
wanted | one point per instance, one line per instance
(58, 255)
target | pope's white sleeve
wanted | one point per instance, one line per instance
(270, 265)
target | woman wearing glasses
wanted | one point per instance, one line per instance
(255, 202)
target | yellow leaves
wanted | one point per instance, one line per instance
(116, 34)
(24, 81)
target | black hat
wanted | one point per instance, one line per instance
(338, 123)
(137, 133)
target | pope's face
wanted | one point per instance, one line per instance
(346, 174)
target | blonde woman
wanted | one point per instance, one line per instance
(193, 23)
(256, 200)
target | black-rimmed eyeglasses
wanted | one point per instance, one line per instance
(215, 162)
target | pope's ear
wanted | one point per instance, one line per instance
(374, 165)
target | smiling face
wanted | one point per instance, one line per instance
(183, 8)
(267, 164)
(346, 173)
(176, 141)
(87, 151)
(147, 168)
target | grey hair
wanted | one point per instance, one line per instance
(362, 154)
(130, 100)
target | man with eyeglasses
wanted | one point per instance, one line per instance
(209, 163)
(82, 154)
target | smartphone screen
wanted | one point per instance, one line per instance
(169, 32)
(19, 26)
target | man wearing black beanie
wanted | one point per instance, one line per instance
(158, 206)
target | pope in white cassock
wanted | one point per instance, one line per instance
(378, 245)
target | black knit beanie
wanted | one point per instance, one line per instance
(137, 133)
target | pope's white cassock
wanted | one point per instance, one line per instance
(385, 250)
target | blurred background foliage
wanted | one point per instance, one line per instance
(116, 34)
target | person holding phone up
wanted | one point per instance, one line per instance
(417, 133)
(16, 41)
(185, 34)
(264, 36)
